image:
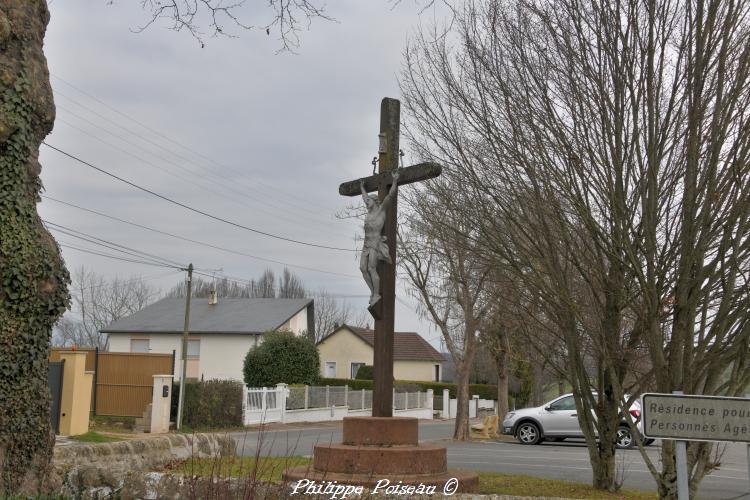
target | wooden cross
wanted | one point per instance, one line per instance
(384, 311)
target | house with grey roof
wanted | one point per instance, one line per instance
(221, 331)
(347, 348)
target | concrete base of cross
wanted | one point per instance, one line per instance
(381, 452)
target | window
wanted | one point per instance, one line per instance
(194, 349)
(355, 369)
(139, 345)
(437, 373)
(563, 404)
(330, 369)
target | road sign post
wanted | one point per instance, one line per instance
(684, 418)
(683, 486)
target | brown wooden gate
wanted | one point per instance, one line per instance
(125, 380)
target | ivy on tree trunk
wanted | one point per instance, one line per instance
(33, 278)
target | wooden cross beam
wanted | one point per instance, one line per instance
(408, 175)
(384, 310)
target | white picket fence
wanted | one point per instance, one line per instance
(324, 403)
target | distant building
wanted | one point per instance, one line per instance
(449, 368)
(347, 348)
(221, 332)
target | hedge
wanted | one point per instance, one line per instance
(484, 391)
(365, 372)
(282, 358)
(212, 404)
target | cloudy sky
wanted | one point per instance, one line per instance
(233, 129)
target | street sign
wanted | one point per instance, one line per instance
(695, 418)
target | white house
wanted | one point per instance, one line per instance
(221, 332)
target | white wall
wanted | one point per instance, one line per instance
(221, 356)
(297, 324)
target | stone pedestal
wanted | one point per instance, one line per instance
(378, 448)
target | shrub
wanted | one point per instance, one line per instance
(364, 373)
(282, 358)
(213, 404)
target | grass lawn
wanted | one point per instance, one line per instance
(122, 425)
(266, 469)
(269, 469)
(94, 437)
(512, 484)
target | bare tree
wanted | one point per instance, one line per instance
(290, 286)
(33, 288)
(440, 263)
(97, 302)
(330, 313)
(265, 287)
(607, 144)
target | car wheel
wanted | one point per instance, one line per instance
(624, 438)
(528, 433)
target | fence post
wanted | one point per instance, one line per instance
(263, 405)
(363, 399)
(430, 403)
(281, 391)
(394, 398)
(245, 396)
(406, 400)
(446, 412)
(307, 396)
(328, 396)
(96, 374)
(346, 396)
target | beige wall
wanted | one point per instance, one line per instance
(75, 403)
(221, 356)
(346, 348)
(414, 370)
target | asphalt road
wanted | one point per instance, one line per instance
(566, 461)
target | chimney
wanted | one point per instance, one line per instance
(212, 299)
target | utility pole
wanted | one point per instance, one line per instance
(185, 333)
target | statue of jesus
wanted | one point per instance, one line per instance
(375, 247)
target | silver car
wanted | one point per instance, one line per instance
(558, 420)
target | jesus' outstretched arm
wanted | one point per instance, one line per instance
(392, 191)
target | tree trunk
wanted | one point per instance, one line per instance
(501, 357)
(537, 374)
(33, 279)
(462, 431)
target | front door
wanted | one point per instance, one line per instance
(55, 379)
(330, 369)
(560, 418)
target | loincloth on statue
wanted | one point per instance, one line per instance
(377, 250)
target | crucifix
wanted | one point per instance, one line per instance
(378, 260)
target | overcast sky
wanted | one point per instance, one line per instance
(233, 129)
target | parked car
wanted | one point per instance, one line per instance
(557, 420)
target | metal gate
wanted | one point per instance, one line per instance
(55, 381)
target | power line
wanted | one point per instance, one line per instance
(112, 245)
(136, 279)
(206, 214)
(154, 131)
(226, 185)
(197, 242)
(110, 256)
